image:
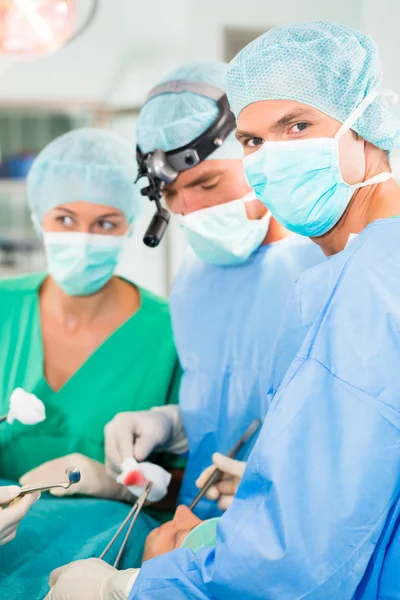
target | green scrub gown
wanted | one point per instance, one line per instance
(136, 368)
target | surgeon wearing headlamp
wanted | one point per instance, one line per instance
(231, 290)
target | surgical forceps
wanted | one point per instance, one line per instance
(132, 516)
(216, 474)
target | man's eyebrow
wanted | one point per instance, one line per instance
(282, 122)
(241, 133)
(292, 116)
(203, 179)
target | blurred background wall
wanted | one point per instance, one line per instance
(102, 77)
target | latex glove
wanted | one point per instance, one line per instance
(91, 579)
(94, 479)
(11, 516)
(225, 489)
(138, 434)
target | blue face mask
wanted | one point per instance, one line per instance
(301, 182)
(82, 263)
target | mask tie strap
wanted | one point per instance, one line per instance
(355, 115)
(249, 197)
(362, 107)
(380, 178)
(36, 225)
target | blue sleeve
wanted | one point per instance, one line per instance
(291, 336)
(294, 531)
(323, 477)
(175, 575)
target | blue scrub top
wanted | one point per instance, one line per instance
(317, 514)
(226, 321)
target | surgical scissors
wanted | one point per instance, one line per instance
(132, 516)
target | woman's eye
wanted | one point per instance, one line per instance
(65, 220)
(254, 142)
(299, 127)
(107, 225)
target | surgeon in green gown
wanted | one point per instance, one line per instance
(89, 344)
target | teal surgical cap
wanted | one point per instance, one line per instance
(329, 66)
(172, 120)
(94, 165)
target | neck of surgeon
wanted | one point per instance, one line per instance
(367, 204)
(78, 310)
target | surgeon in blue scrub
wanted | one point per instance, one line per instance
(317, 513)
(230, 293)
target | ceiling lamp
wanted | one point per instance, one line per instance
(32, 28)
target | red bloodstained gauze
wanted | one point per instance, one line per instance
(135, 478)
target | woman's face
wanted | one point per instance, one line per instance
(86, 217)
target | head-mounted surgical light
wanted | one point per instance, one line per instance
(162, 168)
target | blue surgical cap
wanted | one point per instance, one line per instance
(172, 120)
(329, 66)
(95, 165)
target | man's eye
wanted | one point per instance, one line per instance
(209, 186)
(254, 142)
(299, 127)
(168, 194)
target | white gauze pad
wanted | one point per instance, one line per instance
(135, 476)
(25, 408)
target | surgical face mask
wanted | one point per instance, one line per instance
(82, 263)
(223, 234)
(301, 182)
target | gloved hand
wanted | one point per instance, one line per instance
(10, 516)
(91, 579)
(94, 479)
(225, 490)
(138, 434)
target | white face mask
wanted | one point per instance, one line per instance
(223, 234)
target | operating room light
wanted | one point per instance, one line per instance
(35, 27)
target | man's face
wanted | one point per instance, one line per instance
(209, 183)
(170, 535)
(284, 120)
